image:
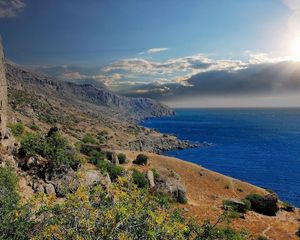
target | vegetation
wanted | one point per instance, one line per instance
(107, 167)
(96, 157)
(88, 138)
(17, 129)
(140, 179)
(102, 136)
(12, 225)
(54, 148)
(141, 159)
(256, 201)
(122, 211)
(262, 238)
(122, 158)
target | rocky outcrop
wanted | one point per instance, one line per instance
(158, 144)
(267, 205)
(170, 183)
(150, 176)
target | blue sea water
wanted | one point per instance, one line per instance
(260, 146)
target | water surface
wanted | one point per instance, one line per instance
(260, 146)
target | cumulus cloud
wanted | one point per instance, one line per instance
(10, 8)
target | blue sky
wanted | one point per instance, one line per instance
(136, 42)
(96, 32)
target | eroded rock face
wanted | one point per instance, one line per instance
(266, 205)
(170, 182)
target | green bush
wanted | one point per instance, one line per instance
(33, 126)
(88, 138)
(247, 203)
(107, 167)
(141, 159)
(122, 158)
(17, 129)
(262, 238)
(96, 157)
(256, 201)
(54, 148)
(140, 179)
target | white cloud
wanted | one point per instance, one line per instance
(156, 50)
(10, 8)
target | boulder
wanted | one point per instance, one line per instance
(270, 203)
(266, 205)
(150, 176)
(113, 157)
(62, 178)
(170, 183)
(49, 189)
(236, 205)
(92, 177)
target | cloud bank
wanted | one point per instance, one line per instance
(10, 8)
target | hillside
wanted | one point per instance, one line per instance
(100, 98)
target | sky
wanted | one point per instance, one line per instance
(193, 53)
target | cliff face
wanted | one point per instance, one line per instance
(101, 97)
(3, 95)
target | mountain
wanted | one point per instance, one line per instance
(88, 96)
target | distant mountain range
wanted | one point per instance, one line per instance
(88, 96)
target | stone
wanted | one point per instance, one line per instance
(107, 180)
(237, 205)
(92, 177)
(270, 202)
(62, 178)
(3, 97)
(49, 189)
(113, 157)
(170, 183)
(150, 176)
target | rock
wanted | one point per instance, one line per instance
(270, 203)
(92, 177)
(37, 186)
(237, 205)
(63, 179)
(49, 189)
(150, 176)
(169, 182)
(113, 157)
(266, 205)
(108, 180)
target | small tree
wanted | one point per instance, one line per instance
(141, 159)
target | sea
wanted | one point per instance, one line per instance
(259, 146)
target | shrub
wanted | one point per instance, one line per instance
(88, 138)
(247, 203)
(288, 207)
(226, 186)
(17, 129)
(54, 148)
(141, 159)
(140, 179)
(122, 158)
(262, 238)
(96, 156)
(107, 167)
(33, 126)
